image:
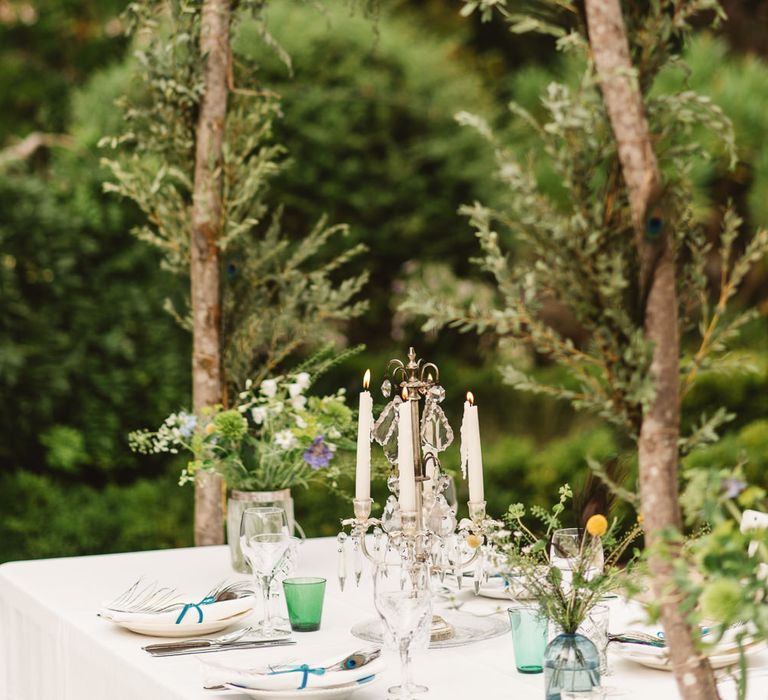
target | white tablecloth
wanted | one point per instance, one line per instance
(53, 647)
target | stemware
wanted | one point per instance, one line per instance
(270, 551)
(567, 548)
(403, 600)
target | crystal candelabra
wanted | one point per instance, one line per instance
(431, 532)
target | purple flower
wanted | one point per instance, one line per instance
(318, 455)
(732, 487)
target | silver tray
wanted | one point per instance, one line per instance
(467, 629)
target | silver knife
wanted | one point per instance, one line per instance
(182, 645)
(223, 647)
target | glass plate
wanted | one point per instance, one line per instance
(467, 629)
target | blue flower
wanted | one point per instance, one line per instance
(732, 487)
(188, 424)
(318, 455)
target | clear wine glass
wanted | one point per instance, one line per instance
(270, 551)
(568, 546)
(403, 600)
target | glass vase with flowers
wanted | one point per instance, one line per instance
(566, 573)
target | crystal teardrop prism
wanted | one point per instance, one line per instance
(436, 432)
(385, 429)
(342, 562)
(390, 518)
(386, 388)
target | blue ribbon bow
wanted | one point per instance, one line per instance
(187, 606)
(305, 669)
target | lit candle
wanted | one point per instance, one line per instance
(471, 456)
(364, 422)
(407, 480)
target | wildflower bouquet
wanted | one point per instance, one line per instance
(275, 437)
(531, 561)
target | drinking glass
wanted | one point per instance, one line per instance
(568, 545)
(304, 599)
(403, 600)
(269, 550)
(529, 638)
(595, 628)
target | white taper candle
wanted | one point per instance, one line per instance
(471, 454)
(364, 423)
(405, 458)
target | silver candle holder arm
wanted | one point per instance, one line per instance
(431, 532)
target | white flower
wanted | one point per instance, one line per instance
(286, 440)
(300, 423)
(295, 389)
(330, 446)
(334, 433)
(259, 414)
(303, 380)
(269, 387)
(248, 383)
(299, 402)
(277, 407)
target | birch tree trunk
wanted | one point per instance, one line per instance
(207, 389)
(658, 443)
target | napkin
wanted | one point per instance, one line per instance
(211, 612)
(307, 674)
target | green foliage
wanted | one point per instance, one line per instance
(578, 244)
(367, 113)
(81, 347)
(43, 518)
(279, 294)
(47, 48)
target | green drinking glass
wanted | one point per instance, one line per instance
(529, 638)
(304, 599)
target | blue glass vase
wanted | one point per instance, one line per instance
(571, 662)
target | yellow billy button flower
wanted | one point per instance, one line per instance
(597, 525)
(210, 428)
(474, 541)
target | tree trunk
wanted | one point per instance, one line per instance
(659, 433)
(207, 388)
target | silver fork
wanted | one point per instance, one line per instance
(155, 599)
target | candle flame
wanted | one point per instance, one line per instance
(429, 377)
(367, 379)
(471, 398)
(405, 393)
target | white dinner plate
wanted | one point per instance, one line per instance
(184, 629)
(338, 692)
(658, 659)
(498, 589)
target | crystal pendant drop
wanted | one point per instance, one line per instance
(386, 388)
(436, 432)
(390, 518)
(478, 574)
(393, 484)
(385, 430)
(436, 393)
(357, 561)
(377, 549)
(442, 562)
(342, 563)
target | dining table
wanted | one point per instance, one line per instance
(54, 646)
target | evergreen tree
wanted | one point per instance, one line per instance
(197, 158)
(619, 245)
